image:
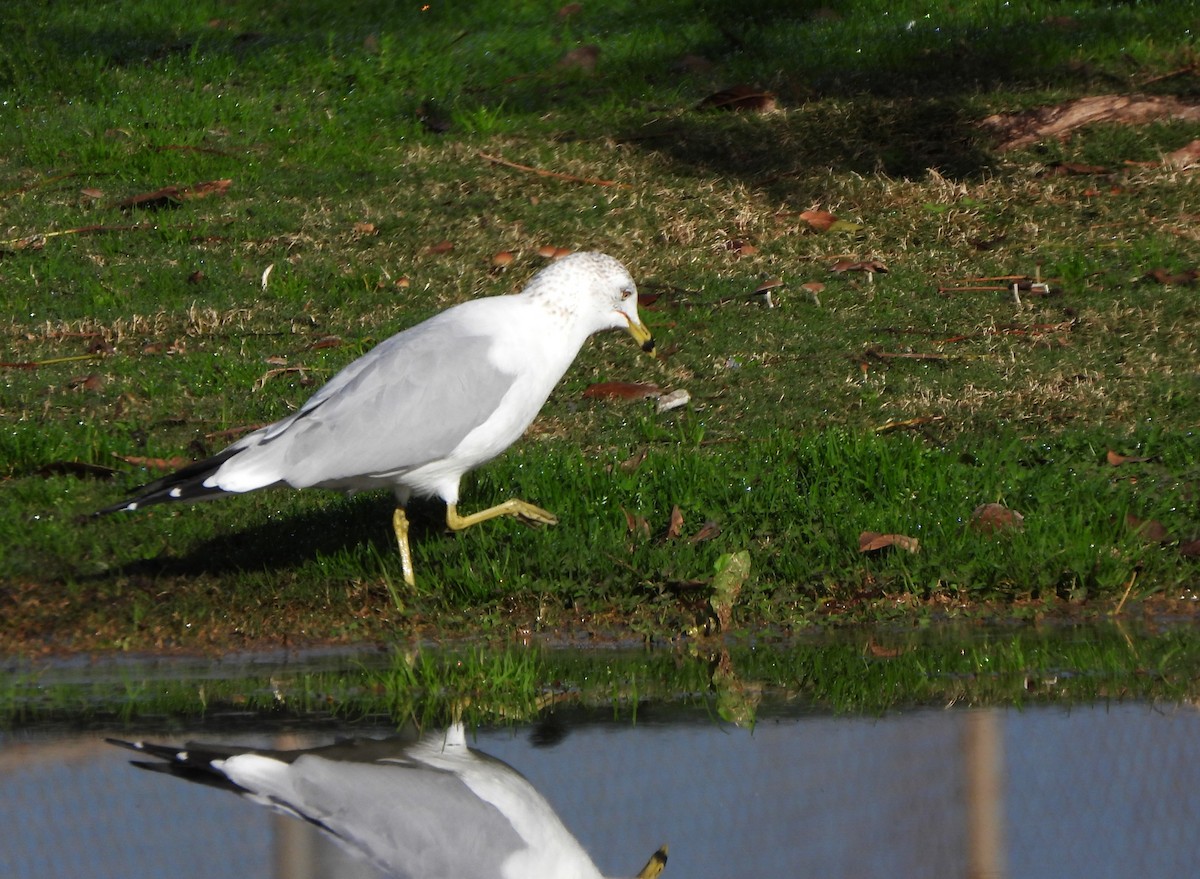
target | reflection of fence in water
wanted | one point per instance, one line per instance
(1105, 791)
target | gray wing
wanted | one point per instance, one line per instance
(409, 821)
(409, 401)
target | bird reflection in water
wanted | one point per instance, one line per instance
(430, 809)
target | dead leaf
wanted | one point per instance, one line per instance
(1190, 549)
(1116, 459)
(326, 342)
(740, 98)
(1067, 169)
(169, 196)
(1185, 157)
(1021, 129)
(884, 652)
(823, 221)
(634, 461)
(1166, 276)
(581, 58)
(92, 193)
(870, 266)
(708, 531)
(440, 248)
(195, 277)
(740, 247)
(93, 381)
(621, 391)
(154, 463)
(1150, 530)
(365, 229)
(635, 523)
(995, 518)
(873, 541)
(675, 526)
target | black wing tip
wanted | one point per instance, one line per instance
(185, 484)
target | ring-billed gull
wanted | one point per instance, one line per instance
(429, 404)
(434, 809)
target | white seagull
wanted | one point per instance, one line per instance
(435, 809)
(429, 404)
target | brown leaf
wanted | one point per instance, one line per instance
(169, 196)
(1190, 549)
(740, 98)
(818, 219)
(440, 248)
(635, 523)
(154, 463)
(995, 518)
(884, 652)
(92, 193)
(1116, 460)
(1066, 169)
(871, 266)
(1150, 530)
(1185, 157)
(873, 541)
(1021, 129)
(365, 229)
(1166, 276)
(740, 247)
(326, 342)
(195, 277)
(93, 382)
(581, 58)
(675, 526)
(708, 531)
(634, 461)
(622, 391)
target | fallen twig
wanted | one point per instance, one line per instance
(27, 240)
(557, 175)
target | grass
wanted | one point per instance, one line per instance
(892, 669)
(354, 138)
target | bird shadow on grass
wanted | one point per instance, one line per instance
(360, 526)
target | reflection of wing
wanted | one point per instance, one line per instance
(431, 809)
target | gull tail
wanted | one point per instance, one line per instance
(186, 484)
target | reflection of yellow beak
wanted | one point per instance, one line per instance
(641, 334)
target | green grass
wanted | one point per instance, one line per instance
(156, 335)
(891, 669)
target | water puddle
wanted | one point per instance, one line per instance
(1049, 791)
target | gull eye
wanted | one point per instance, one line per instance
(625, 294)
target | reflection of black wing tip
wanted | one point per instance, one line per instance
(185, 484)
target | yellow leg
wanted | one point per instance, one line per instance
(512, 507)
(400, 524)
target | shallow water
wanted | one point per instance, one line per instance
(1098, 791)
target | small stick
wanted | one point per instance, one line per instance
(557, 175)
(1128, 589)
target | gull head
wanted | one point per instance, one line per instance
(594, 292)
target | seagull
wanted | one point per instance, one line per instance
(434, 809)
(430, 403)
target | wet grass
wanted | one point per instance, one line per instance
(353, 136)
(858, 672)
